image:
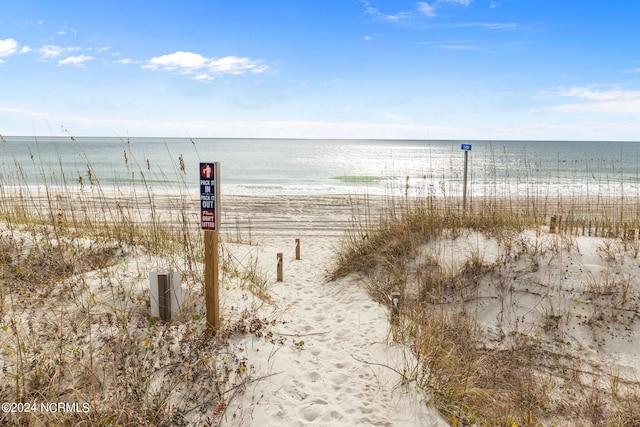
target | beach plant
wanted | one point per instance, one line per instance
(521, 377)
(75, 325)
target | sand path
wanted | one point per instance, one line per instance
(326, 362)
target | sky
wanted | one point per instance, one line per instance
(440, 69)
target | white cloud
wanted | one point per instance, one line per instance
(426, 9)
(77, 61)
(395, 117)
(332, 82)
(203, 68)
(590, 100)
(53, 52)
(460, 45)
(50, 52)
(177, 60)
(460, 2)
(422, 8)
(234, 65)
(368, 38)
(385, 17)
(8, 47)
(17, 121)
(493, 26)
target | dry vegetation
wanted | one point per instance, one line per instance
(75, 324)
(524, 370)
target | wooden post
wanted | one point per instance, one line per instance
(552, 224)
(395, 305)
(297, 249)
(164, 296)
(211, 285)
(630, 235)
(279, 268)
(464, 184)
(210, 223)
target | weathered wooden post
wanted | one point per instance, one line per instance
(210, 223)
(164, 297)
(395, 304)
(297, 249)
(553, 224)
(630, 235)
(165, 293)
(279, 267)
(560, 224)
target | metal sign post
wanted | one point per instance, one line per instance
(210, 223)
(466, 148)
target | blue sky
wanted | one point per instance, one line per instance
(442, 69)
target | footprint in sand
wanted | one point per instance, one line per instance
(318, 318)
(337, 379)
(314, 376)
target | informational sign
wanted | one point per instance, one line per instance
(210, 223)
(465, 147)
(208, 196)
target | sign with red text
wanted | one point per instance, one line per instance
(209, 206)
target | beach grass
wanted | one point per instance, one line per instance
(527, 373)
(75, 323)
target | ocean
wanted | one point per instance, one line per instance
(266, 167)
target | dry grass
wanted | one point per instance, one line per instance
(75, 325)
(521, 378)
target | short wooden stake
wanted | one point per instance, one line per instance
(297, 249)
(279, 273)
(553, 224)
(395, 305)
(164, 297)
(630, 235)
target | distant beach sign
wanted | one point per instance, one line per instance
(465, 147)
(209, 206)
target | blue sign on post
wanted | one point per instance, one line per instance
(208, 196)
(465, 147)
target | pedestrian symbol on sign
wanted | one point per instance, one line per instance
(206, 171)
